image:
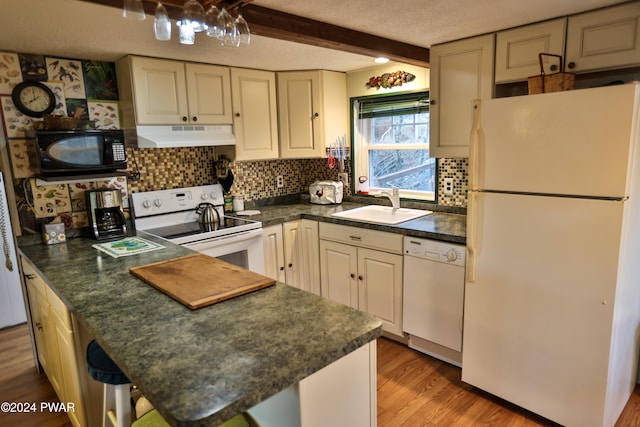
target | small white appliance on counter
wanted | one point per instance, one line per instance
(552, 302)
(173, 215)
(433, 297)
(326, 192)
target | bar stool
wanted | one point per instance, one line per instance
(118, 387)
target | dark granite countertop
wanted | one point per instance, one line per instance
(198, 367)
(448, 227)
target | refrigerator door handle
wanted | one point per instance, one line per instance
(474, 146)
(472, 238)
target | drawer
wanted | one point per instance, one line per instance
(362, 237)
(34, 278)
(59, 307)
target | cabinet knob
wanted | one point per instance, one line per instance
(553, 67)
(194, 119)
(432, 102)
(360, 278)
(571, 65)
(184, 118)
(315, 115)
(282, 268)
(353, 276)
(237, 114)
(290, 265)
(38, 325)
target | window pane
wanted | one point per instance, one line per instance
(406, 169)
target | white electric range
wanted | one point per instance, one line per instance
(171, 215)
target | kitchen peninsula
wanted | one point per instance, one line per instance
(201, 367)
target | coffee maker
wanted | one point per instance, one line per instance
(104, 209)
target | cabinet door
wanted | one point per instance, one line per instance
(604, 39)
(308, 244)
(71, 391)
(273, 252)
(38, 325)
(338, 272)
(380, 287)
(299, 114)
(517, 50)
(160, 92)
(292, 254)
(461, 71)
(54, 372)
(209, 94)
(255, 121)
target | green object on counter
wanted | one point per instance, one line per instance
(228, 203)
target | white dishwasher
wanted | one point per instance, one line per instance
(433, 298)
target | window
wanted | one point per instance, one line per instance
(391, 144)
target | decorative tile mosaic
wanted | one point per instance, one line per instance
(257, 180)
(458, 169)
(166, 168)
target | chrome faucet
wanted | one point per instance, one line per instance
(394, 196)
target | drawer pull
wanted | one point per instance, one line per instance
(30, 276)
(356, 238)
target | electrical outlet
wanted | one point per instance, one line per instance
(448, 186)
(280, 181)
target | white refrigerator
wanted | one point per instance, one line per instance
(552, 294)
(12, 305)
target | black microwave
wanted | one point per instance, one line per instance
(76, 152)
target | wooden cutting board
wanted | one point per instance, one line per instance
(199, 280)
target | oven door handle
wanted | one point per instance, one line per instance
(231, 238)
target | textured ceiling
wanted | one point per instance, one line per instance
(79, 29)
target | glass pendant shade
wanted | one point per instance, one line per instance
(185, 30)
(244, 34)
(214, 27)
(230, 32)
(133, 10)
(162, 23)
(193, 12)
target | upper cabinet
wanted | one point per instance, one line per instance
(604, 39)
(255, 121)
(517, 50)
(312, 108)
(461, 71)
(167, 92)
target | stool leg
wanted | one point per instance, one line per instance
(117, 405)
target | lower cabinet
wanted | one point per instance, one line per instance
(341, 394)
(55, 345)
(362, 268)
(292, 254)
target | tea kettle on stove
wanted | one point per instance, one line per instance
(207, 214)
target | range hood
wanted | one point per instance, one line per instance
(181, 136)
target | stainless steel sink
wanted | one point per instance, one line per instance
(378, 214)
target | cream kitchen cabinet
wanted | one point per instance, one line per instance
(312, 107)
(517, 50)
(292, 254)
(461, 71)
(55, 345)
(362, 268)
(167, 92)
(604, 39)
(255, 121)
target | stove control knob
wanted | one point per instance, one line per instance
(146, 204)
(213, 196)
(203, 196)
(157, 203)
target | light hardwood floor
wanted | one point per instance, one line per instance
(413, 390)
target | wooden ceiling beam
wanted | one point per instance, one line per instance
(285, 26)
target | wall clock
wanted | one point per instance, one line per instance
(33, 99)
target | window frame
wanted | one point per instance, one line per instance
(360, 150)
